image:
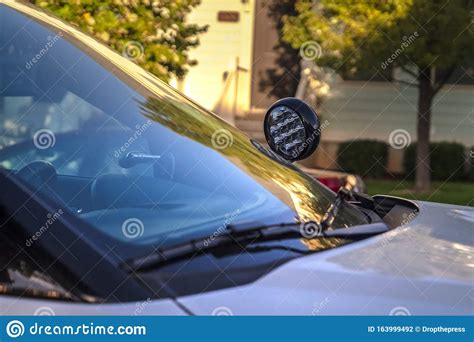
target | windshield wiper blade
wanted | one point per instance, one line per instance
(233, 233)
(247, 233)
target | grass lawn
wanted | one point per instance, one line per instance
(451, 192)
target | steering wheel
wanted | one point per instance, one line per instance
(40, 175)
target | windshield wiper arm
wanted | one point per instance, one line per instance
(345, 195)
(246, 233)
(342, 195)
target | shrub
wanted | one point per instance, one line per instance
(366, 158)
(447, 161)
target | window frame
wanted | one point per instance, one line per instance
(83, 269)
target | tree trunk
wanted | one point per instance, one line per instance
(425, 100)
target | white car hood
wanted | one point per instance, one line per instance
(425, 267)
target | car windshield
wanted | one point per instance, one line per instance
(125, 152)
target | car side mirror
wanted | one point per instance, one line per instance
(292, 129)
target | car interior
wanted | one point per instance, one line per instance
(74, 133)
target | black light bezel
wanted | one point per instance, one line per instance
(310, 121)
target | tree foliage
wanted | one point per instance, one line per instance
(428, 39)
(154, 34)
(360, 35)
(286, 74)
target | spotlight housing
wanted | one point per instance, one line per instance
(292, 129)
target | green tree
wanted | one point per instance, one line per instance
(428, 39)
(154, 34)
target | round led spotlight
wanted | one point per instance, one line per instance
(292, 129)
